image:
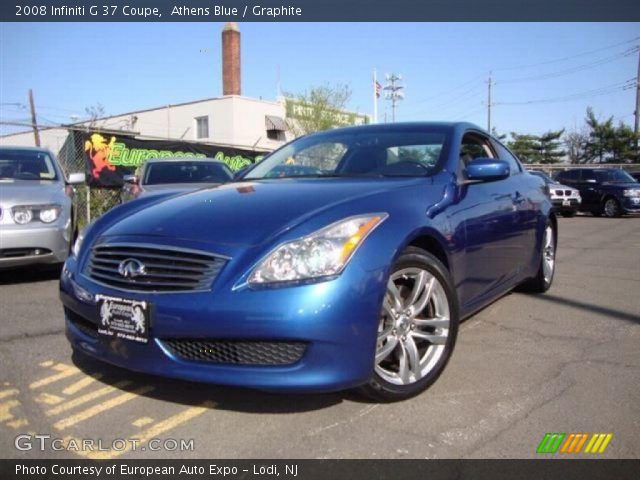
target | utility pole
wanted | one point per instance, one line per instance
(637, 112)
(34, 123)
(394, 92)
(489, 84)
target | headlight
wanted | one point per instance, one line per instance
(50, 213)
(632, 192)
(22, 215)
(323, 253)
(78, 243)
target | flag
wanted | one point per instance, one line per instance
(378, 88)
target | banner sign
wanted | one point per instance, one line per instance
(109, 157)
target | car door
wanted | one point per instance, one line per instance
(589, 189)
(487, 215)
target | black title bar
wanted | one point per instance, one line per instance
(318, 10)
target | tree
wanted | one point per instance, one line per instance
(499, 136)
(549, 144)
(526, 147)
(575, 142)
(94, 112)
(601, 137)
(320, 108)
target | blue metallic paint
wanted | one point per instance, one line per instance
(488, 234)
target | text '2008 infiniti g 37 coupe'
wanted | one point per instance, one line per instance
(344, 259)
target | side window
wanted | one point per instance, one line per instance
(507, 156)
(588, 175)
(568, 176)
(474, 146)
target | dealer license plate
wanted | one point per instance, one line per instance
(123, 318)
(566, 203)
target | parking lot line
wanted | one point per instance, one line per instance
(142, 421)
(5, 409)
(8, 393)
(49, 399)
(88, 397)
(80, 384)
(154, 431)
(102, 407)
(64, 372)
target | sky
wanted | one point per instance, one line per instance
(444, 66)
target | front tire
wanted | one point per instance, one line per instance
(417, 329)
(611, 208)
(544, 277)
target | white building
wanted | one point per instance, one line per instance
(233, 120)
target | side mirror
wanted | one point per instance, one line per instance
(487, 170)
(130, 179)
(76, 178)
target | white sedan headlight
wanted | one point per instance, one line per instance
(49, 213)
(22, 215)
(321, 254)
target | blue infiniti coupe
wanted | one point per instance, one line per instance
(344, 259)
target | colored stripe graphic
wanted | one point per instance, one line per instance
(572, 443)
(550, 443)
(598, 443)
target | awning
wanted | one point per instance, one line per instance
(272, 122)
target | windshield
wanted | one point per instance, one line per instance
(356, 153)
(186, 172)
(542, 175)
(26, 165)
(613, 176)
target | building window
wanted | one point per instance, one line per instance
(202, 127)
(276, 135)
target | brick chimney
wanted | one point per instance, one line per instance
(231, 59)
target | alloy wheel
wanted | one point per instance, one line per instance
(548, 254)
(611, 208)
(414, 326)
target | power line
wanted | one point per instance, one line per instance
(570, 57)
(575, 69)
(607, 89)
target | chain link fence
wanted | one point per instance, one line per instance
(90, 202)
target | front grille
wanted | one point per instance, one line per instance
(559, 193)
(166, 269)
(81, 323)
(23, 252)
(567, 193)
(237, 352)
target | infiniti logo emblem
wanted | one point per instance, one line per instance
(131, 268)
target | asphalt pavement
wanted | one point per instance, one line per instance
(566, 361)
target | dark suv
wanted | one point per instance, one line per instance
(607, 191)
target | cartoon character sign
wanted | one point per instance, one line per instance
(138, 319)
(105, 313)
(99, 150)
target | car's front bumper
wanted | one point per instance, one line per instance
(337, 320)
(30, 244)
(563, 204)
(630, 204)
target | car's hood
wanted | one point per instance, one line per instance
(29, 192)
(560, 186)
(248, 213)
(621, 185)
(187, 187)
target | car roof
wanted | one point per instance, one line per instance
(28, 149)
(184, 159)
(404, 126)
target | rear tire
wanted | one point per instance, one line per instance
(417, 329)
(544, 277)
